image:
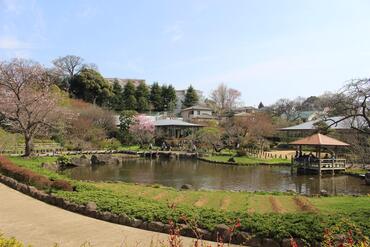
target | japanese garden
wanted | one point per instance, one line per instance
(86, 156)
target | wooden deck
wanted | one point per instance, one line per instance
(321, 165)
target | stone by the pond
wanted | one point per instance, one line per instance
(324, 193)
(231, 160)
(104, 159)
(81, 161)
(187, 187)
(367, 178)
(50, 166)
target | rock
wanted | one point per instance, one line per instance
(324, 193)
(104, 159)
(268, 242)
(367, 178)
(136, 223)
(187, 187)
(253, 242)
(107, 216)
(82, 161)
(123, 219)
(186, 231)
(91, 206)
(156, 226)
(204, 234)
(231, 160)
(50, 166)
(222, 231)
(287, 242)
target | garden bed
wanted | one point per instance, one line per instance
(275, 216)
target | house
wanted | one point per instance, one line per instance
(174, 128)
(309, 128)
(197, 114)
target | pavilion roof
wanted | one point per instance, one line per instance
(319, 140)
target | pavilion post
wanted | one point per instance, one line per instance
(319, 156)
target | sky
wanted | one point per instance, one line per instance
(266, 49)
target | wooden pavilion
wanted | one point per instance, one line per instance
(316, 163)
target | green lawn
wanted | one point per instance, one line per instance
(248, 160)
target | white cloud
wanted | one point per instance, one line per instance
(12, 43)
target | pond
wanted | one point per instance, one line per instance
(203, 175)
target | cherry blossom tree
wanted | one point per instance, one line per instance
(142, 130)
(27, 100)
(224, 99)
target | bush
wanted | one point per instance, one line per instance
(9, 242)
(64, 160)
(61, 185)
(29, 177)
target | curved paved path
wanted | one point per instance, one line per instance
(40, 224)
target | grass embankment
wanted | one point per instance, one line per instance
(244, 160)
(276, 215)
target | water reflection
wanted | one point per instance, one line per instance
(204, 175)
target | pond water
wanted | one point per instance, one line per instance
(203, 175)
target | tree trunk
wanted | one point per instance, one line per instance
(28, 146)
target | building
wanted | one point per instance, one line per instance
(197, 114)
(174, 128)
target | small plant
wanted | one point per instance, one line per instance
(64, 160)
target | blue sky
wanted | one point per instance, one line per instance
(267, 49)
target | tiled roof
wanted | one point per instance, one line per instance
(310, 125)
(319, 140)
(174, 122)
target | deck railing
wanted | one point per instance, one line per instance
(324, 164)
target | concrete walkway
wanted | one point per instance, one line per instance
(42, 225)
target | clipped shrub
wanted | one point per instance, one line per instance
(29, 177)
(60, 184)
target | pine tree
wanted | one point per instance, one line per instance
(142, 97)
(129, 98)
(191, 97)
(260, 105)
(156, 97)
(168, 97)
(116, 102)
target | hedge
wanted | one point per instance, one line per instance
(29, 177)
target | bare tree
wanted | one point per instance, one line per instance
(354, 100)
(26, 99)
(68, 65)
(224, 99)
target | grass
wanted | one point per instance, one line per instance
(356, 171)
(248, 160)
(275, 215)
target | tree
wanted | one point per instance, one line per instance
(209, 137)
(126, 119)
(142, 97)
(90, 86)
(260, 105)
(129, 98)
(27, 100)
(142, 130)
(168, 98)
(68, 65)
(191, 97)
(354, 99)
(224, 99)
(156, 97)
(285, 108)
(116, 101)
